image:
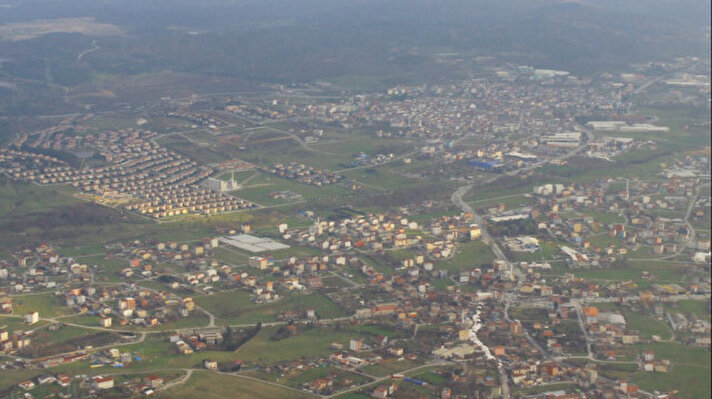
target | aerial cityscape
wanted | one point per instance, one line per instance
(355, 199)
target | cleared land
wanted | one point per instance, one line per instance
(235, 307)
(219, 386)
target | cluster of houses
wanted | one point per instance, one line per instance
(199, 118)
(20, 165)
(53, 137)
(40, 268)
(18, 340)
(190, 341)
(260, 112)
(643, 208)
(305, 174)
(378, 232)
(139, 174)
(375, 160)
(285, 195)
(608, 329)
(144, 386)
(128, 305)
(484, 106)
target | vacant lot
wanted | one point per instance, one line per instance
(390, 366)
(309, 343)
(469, 255)
(206, 385)
(235, 307)
(48, 305)
(690, 372)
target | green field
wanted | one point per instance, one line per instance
(661, 272)
(353, 144)
(646, 325)
(689, 307)
(22, 198)
(690, 371)
(314, 373)
(12, 324)
(31, 214)
(48, 305)
(469, 255)
(390, 366)
(546, 388)
(549, 250)
(207, 385)
(605, 218)
(477, 196)
(81, 251)
(511, 201)
(310, 343)
(382, 179)
(235, 307)
(195, 319)
(230, 256)
(296, 378)
(110, 267)
(62, 334)
(259, 188)
(354, 395)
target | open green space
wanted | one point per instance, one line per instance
(22, 198)
(61, 334)
(110, 267)
(431, 377)
(207, 385)
(469, 255)
(354, 144)
(605, 218)
(230, 256)
(376, 330)
(10, 378)
(48, 305)
(266, 147)
(699, 309)
(235, 307)
(309, 343)
(390, 366)
(12, 324)
(381, 178)
(354, 395)
(32, 214)
(549, 250)
(298, 377)
(511, 201)
(690, 373)
(81, 251)
(646, 325)
(546, 388)
(478, 195)
(318, 372)
(259, 188)
(662, 272)
(195, 319)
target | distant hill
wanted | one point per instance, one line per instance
(302, 40)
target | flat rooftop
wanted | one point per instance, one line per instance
(252, 243)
